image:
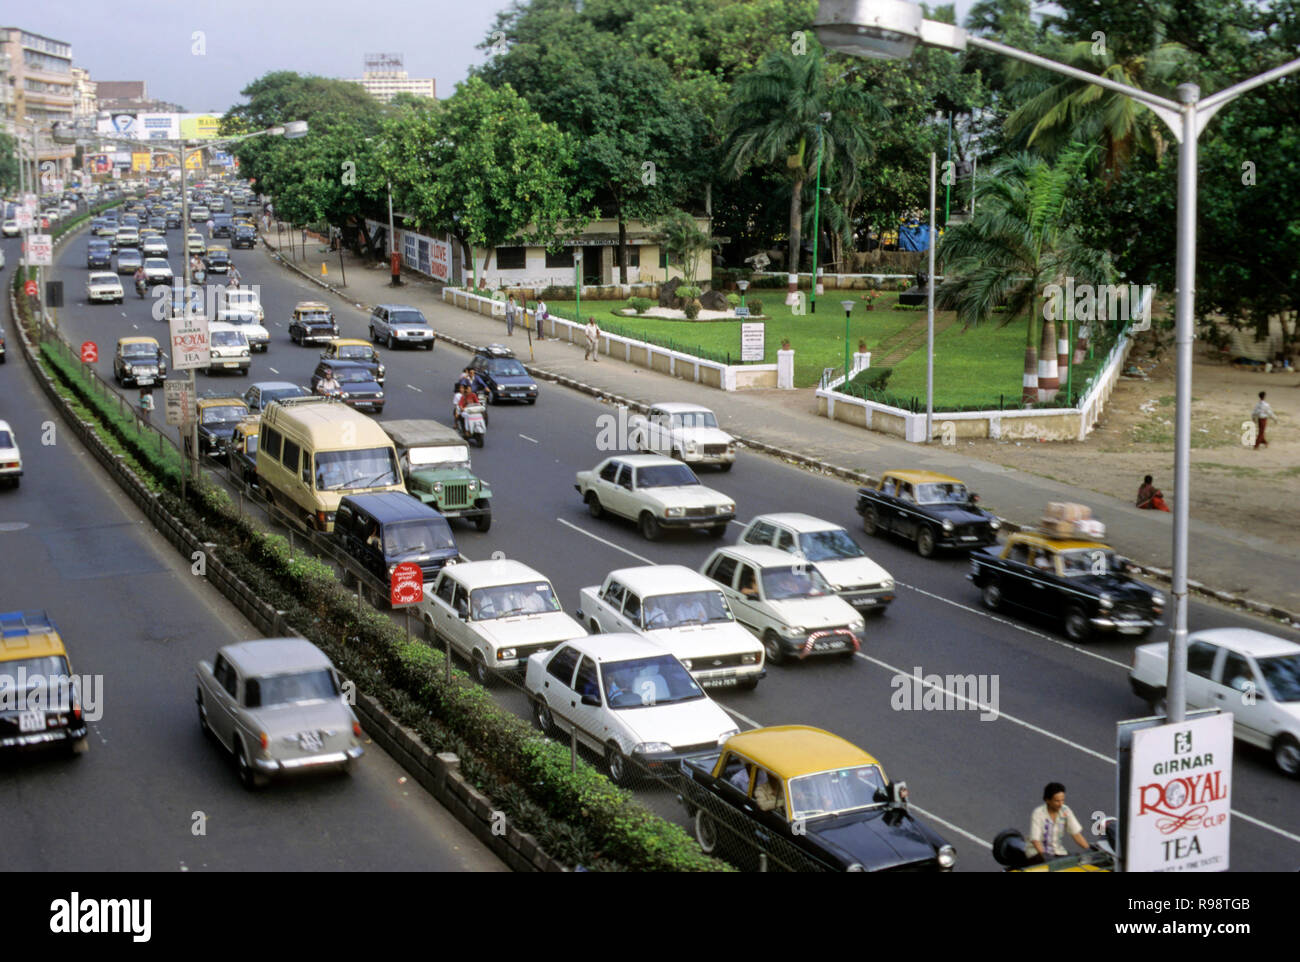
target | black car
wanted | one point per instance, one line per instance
(99, 254)
(244, 236)
(504, 376)
(217, 421)
(313, 323)
(222, 225)
(217, 260)
(933, 510)
(388, 528)
(356, 381)
(1080, 584)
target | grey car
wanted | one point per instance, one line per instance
(395, 324)
(277, 705)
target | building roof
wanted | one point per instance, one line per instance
(121, 90)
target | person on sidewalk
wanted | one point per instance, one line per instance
(511, 307)
(539, 315)
(1260, 415)
(593, 341)
(1150, 497)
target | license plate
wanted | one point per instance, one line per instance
(1130, 629)
(827, 645)
(31, 721)
(724, 682)
(969, 537)
(309, 741)
(144, 381)
(232, 364)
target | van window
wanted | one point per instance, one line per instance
(363, 468)
(306, 468)
(290, 458)
(343, 519)
(271, 443)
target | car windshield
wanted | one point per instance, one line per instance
(139, 350)
(686, 608)
(504, 601)
(6, 439)
(829, 545)
(363, 468)
(157, 263)
(36, 674)
(506, 367)
(695, 419)
(314, 317)
(417, 537)
(942, 494)
(103, 278)
(231, 412)
(1282, 673)
(841, 790)
(218, 255)
(227, 338)
(665, 476)
(443, 454)
(353, 375)
(646, 682)
(274, 690)
(406, 317)
(786, 582)
(356, 352)
(1088, 561)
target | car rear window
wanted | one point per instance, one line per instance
(289, 689)
(6, 439)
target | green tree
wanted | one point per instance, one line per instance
(683, 239)
(9, 179)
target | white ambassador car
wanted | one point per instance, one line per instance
(277, 706)
(104, 286)
(681, 611)
(244, 299)
(826, 547)
(788, 605)
(686, 432)
(157, 271)
(626, 698)
(497, 614)
(656, 492)
(1254, 675)
(259, 338)
(11, 459)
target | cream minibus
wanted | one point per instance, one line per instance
(314, 450)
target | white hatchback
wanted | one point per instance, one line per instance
(11, 459)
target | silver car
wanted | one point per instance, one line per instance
(277, 706)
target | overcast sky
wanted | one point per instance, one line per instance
(153, 40)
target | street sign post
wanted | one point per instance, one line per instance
(30, 288)
(178, 398)
(407, 584)
(752, 346)
(89, 352)
(189, 342)
(24, 218)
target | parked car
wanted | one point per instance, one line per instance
(355, 349)
(382, 530)
(436, 467)
(312, 323)
(103, 286)
(259, 395)
(687, 432)
(46, 712)
(628, 699)
(681, 611)
(396, 324)
(276, 704)
(933, 510)
(828, 549)
(219, 415)
(504, 376)
(139, 362)
(786, 604)
(228, 347)
(1254, 675)
(656, 492)
(497, 614)
(813, 801)
(358, 387)
(1082, 584)
(11, 459)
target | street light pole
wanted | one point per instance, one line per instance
(929, 325)
(817, 223)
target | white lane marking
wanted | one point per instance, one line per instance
(596, 537)
(951, 827)
(414, 388)
(745, 718)
(1015, 624)
(135, 327)
(273, 370)
(527, 438)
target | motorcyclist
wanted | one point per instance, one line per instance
(328, 384)
(464, 399)
(139, 278)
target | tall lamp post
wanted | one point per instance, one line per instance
(817, 215)
(848, 310)
(891, 30)
(577, 287)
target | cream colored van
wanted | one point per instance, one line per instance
(314, 450)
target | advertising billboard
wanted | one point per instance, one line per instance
(140, 161)
(159, 126)
(199, 126)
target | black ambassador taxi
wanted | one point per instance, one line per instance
(933, 510)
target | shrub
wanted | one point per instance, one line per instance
(688, 292)
(755, 305)
(875, 378)
(640, 304)
(691, 310)
(733, 299)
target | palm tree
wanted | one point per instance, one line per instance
(783, 111)
(1019, 243)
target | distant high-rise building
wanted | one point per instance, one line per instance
(38, 90)
(383, 78)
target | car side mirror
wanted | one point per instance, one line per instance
(593, 700)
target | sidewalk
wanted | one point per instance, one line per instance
(1234, 565)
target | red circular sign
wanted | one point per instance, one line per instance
(407, 584)
(89, 352)
(31, 288)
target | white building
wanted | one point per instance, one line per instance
(384, 78)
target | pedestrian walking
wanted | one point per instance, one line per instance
(1260, 415)
(593, 341)
(539, 315)
(510, 316)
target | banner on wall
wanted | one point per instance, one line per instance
(199, 126)
(140, 161)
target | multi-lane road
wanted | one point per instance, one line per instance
(1057, 703)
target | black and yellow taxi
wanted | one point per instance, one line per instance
(312, 323)
(138, 361)
(241, 450)
(40, 699)
(796, 798)
(1081, 584)
(355, 349)
(933, 510)
(218, 416)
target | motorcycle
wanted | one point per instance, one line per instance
(472, 424)
(199, 275)
(140, 286)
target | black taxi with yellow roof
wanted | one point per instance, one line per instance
(808, 800)
(933, 510)
(40, 704)
(1080, 583)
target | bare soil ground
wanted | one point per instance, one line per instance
(1233, 484)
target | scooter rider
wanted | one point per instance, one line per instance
(328, 385)
(139, 279)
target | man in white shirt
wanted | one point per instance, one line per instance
(1049, 824)
(1261, 415)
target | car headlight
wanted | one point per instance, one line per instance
(887, 584)
(506, 654)
(948, 527)
(994, 523)
(437, 487)
(855, 867)
(473, 485)
(652, 748)
(674, 512)
(791, 631)
(692, 446)
(857, 625)
(1158, 599)
(382, 370)
(947, 856)
(728, 508)
(532, 387)
(1106, 600)
(749, 658)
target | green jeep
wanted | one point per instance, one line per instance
(435, 464)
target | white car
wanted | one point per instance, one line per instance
(157, 271)
(199, 213)
(229, 348)
(244, 299)
(10, 227)
(628, 699)
(104, 286)
(827, 548)
(11, 459)
(259, 338)
(787, 604)
(656, 492)
(686, 432)
(154, 246)
(1254, 675)
(497, 614)
(681, 611)
(195, 244)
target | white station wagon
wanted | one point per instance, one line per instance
(785, 602)
(656, 492)
(103, 286)
(277, 706)
(681, 611)
(1254, 675)
(497, 614)
(686, 432)
(827, 548)
(626, 698)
